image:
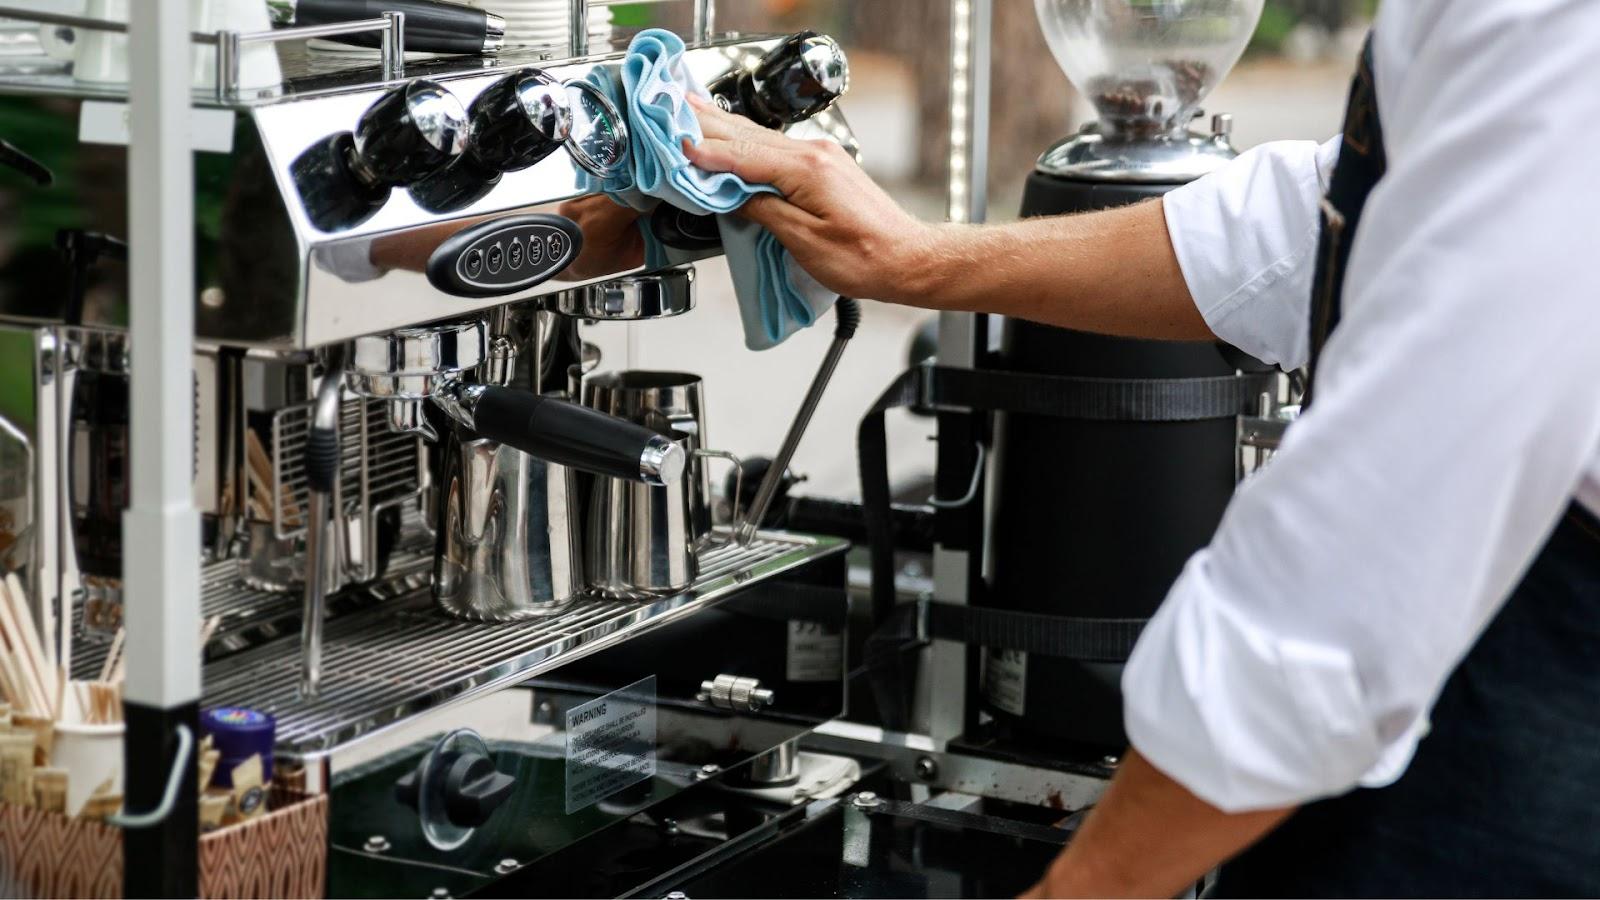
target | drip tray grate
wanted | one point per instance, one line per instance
(388, 663)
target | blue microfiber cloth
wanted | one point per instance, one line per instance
(776, 296)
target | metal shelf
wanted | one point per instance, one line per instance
(388, 663)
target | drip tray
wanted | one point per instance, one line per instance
(385, 664)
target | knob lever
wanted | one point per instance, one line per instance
(800, 77)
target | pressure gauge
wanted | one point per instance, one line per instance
(599, 136)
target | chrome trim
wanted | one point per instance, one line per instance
(662, 462)
(445, 660)
(656, 295)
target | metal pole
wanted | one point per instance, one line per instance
(939, 704)
(161, 529)
(705, 20)
(579, 45)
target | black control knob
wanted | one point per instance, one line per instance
(797, 79)
(410, 133)
(519, 120)
(468, 783)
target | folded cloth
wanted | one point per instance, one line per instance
(776, 296)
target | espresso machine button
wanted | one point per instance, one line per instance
(519, 120)
(410, 133)
(505, 255)
(794, 81)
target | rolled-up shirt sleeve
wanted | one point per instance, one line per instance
(1457, 413)
(1245, 238)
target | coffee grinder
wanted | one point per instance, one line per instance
(1095, 518)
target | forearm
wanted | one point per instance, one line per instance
(1112, 272)
(1150, 837)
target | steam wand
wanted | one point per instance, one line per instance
(847, 316)
(322, 474)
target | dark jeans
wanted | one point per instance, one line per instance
(1503, 796)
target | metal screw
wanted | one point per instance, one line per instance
(865, 800)
(669, 826)
(707, 771)
(377, 844)
(440, 894)
(507, 866)
(1110, 760)
(927, 768)
(546, 709)
(677, 895)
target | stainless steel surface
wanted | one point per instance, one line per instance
(272, 278)
(1174, 158)
(511, 546)
(791, 441)
(392, 661)
(655, 295)
(413, 364)
(640, 539)
(669, 402)
(780, 765)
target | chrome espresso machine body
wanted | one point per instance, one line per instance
(390, 263)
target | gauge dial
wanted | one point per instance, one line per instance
(599, 137)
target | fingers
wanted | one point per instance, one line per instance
(778, 216)
(784, 167)
(716, 122)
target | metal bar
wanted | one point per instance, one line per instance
(579, 39)
(791, 441)
(161, 529)
(306, 32)
(394, 46)
(705, 20)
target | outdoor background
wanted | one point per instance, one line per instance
(1290, 85)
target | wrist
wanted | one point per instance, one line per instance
(925, 271)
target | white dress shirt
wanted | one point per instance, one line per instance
(1457, 410)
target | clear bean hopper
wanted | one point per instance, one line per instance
(1145, 66)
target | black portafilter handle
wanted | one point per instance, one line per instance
(566, 433)
(431, 26)
(408, 134)
(794, 81)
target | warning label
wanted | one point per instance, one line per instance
(816, 652)
(1005, 680)
(611, 744)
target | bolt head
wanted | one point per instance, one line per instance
(376, 844)
(865, 800)
(927, 768)
(1110, 760)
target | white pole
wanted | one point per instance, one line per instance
(161, 530)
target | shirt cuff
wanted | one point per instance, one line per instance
(1242, 717)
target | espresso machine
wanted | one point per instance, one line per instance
(1141, 491)
(392, 460)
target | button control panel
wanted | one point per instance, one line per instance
(504, 256)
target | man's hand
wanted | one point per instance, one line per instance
(1112, 272)
(839, 225)
(1149, 837)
